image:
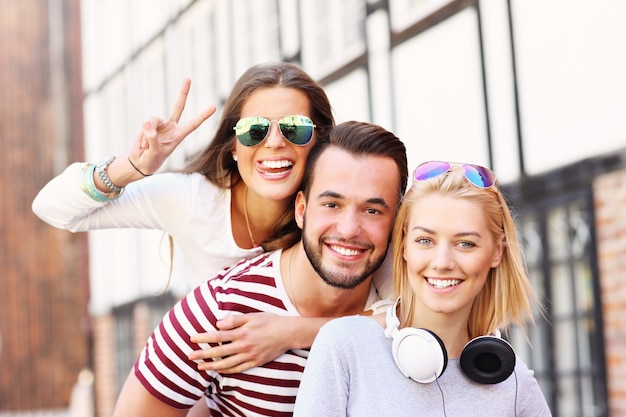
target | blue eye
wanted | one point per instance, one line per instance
(467, 244)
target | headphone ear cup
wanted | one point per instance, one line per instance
(419, 354)
(488, 360)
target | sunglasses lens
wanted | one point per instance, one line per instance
(430, 170)
(252, 130)
(296, 129)
(478, 176)
(481, 177)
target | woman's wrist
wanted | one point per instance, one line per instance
(136, 168)
(88, 173)
(120, 172)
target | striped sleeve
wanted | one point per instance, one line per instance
(163, 366)
(267, 390)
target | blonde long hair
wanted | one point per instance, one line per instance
(507, 295)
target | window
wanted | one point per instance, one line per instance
(567, 352)
(134, 322)
(255, 33)
(333, 34)
(124, 344)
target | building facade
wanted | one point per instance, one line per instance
(532, 88)
(44, 286)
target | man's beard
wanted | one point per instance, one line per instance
(334, 279)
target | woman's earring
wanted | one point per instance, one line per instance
(235, 157)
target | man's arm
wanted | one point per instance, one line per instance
(249, 340)
(136, 401)
(253, 339)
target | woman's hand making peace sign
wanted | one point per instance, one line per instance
(155, 143)
(159, 137)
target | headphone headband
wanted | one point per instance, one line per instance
(392, 319)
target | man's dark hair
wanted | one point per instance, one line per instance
(360, 139)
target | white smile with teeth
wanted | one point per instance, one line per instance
(277, 164)
(345, 251)
(443, 283)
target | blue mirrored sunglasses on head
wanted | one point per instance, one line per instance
(297, 129)
(478, 176)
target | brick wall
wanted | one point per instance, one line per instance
(610, 206)
(44, 327)
(104, 364)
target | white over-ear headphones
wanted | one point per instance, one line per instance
(421, 355)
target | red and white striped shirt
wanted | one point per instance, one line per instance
(253, 285)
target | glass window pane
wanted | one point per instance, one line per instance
(337, 36)
(567, 397)
(124, 345)
(561, 290)
(565, 346)
(585, 331)
(532, 246)
(580, 230)
(540, 348)
(584, 286)
(558, 234)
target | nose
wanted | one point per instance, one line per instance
(443, 259)
(348, 224)
(274, 138)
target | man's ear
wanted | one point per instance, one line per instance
(300, 209)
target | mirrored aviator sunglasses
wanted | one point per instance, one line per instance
(477, 175)
(251, 131)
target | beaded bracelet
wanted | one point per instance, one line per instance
(89, 187)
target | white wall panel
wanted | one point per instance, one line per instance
(348, 97)
(106, 34)
(438, 87)
(379, 66)
(571, 75)
(500, 89)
